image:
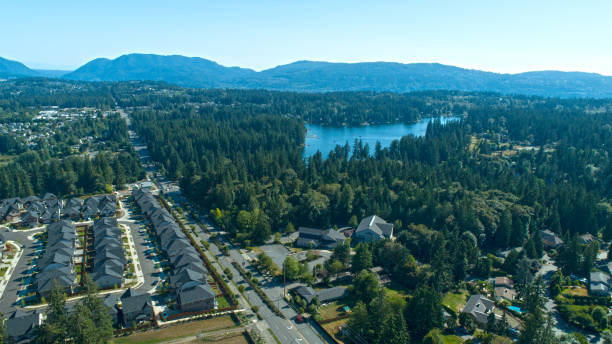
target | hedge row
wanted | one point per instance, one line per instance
(259, 291)
(590, 300)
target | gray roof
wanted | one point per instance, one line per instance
(305, 292)
(186, 258)
(110, 267)
(64, 281)
(21, 324)
(551, 239)
(184, 276)
(195, 291)
(331, 294)
(110, 301)
(376, 225)
(599, 277)
(478, 306)
(134, 302)
(326, 237)
(31, 199)
(48, 196)
(197, 267)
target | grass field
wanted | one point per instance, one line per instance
(576, 291)
(331, 310)
(437, 337)
(334, 327)
(455, 300)
(177, 331)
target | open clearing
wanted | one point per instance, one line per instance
(237, 339)
(177, 331)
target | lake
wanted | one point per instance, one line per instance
(324, 139)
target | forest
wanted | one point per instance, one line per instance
(509, 169)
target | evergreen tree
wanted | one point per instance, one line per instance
(426, 303)
(362, 259)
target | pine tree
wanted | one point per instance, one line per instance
(362, 259)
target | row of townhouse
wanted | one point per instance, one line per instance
(109, 259)
(33, 211)
(57, 263)
(189, 278)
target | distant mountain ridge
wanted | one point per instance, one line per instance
(9, 68)
(310, 76)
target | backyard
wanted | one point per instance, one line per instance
(455, 300)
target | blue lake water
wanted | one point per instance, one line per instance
(325, 139)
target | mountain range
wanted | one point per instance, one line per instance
(310, 76)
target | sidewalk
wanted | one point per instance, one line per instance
(11, 266)
(128, 233)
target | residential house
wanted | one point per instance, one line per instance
(49, 197)
(305, 292)
(136, 307)
(111, 302)
(599, 283)
(13, 212)
(373, 228)
(586, 239)
(72, 213)
(503, 288)
(31, 199)
(332, 294)
(109, 209)
(21, 326)
(195, 296)
(186, 275)
(550, 239)
(324, 295)
(479, 308)
(323, 238)
(30, 219)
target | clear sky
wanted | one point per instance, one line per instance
(500, 36)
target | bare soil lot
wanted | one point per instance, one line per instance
(177, 331)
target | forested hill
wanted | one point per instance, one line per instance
(10, 68)
(309, 76)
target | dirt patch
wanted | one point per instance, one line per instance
(238, 339)
(177, 331)
(333, 328)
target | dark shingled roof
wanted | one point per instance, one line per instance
(21, 324)
(133, 301)
(195, 291)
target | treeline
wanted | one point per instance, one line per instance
(30, 174)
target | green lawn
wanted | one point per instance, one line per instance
(331, 310)
(455, 300)
(437, 337)
(396, 289)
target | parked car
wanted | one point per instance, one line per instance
(299, 319)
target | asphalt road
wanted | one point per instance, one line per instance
(8, 303)
(285, 329)
(142, 244)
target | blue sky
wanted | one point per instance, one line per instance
(500, 36)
